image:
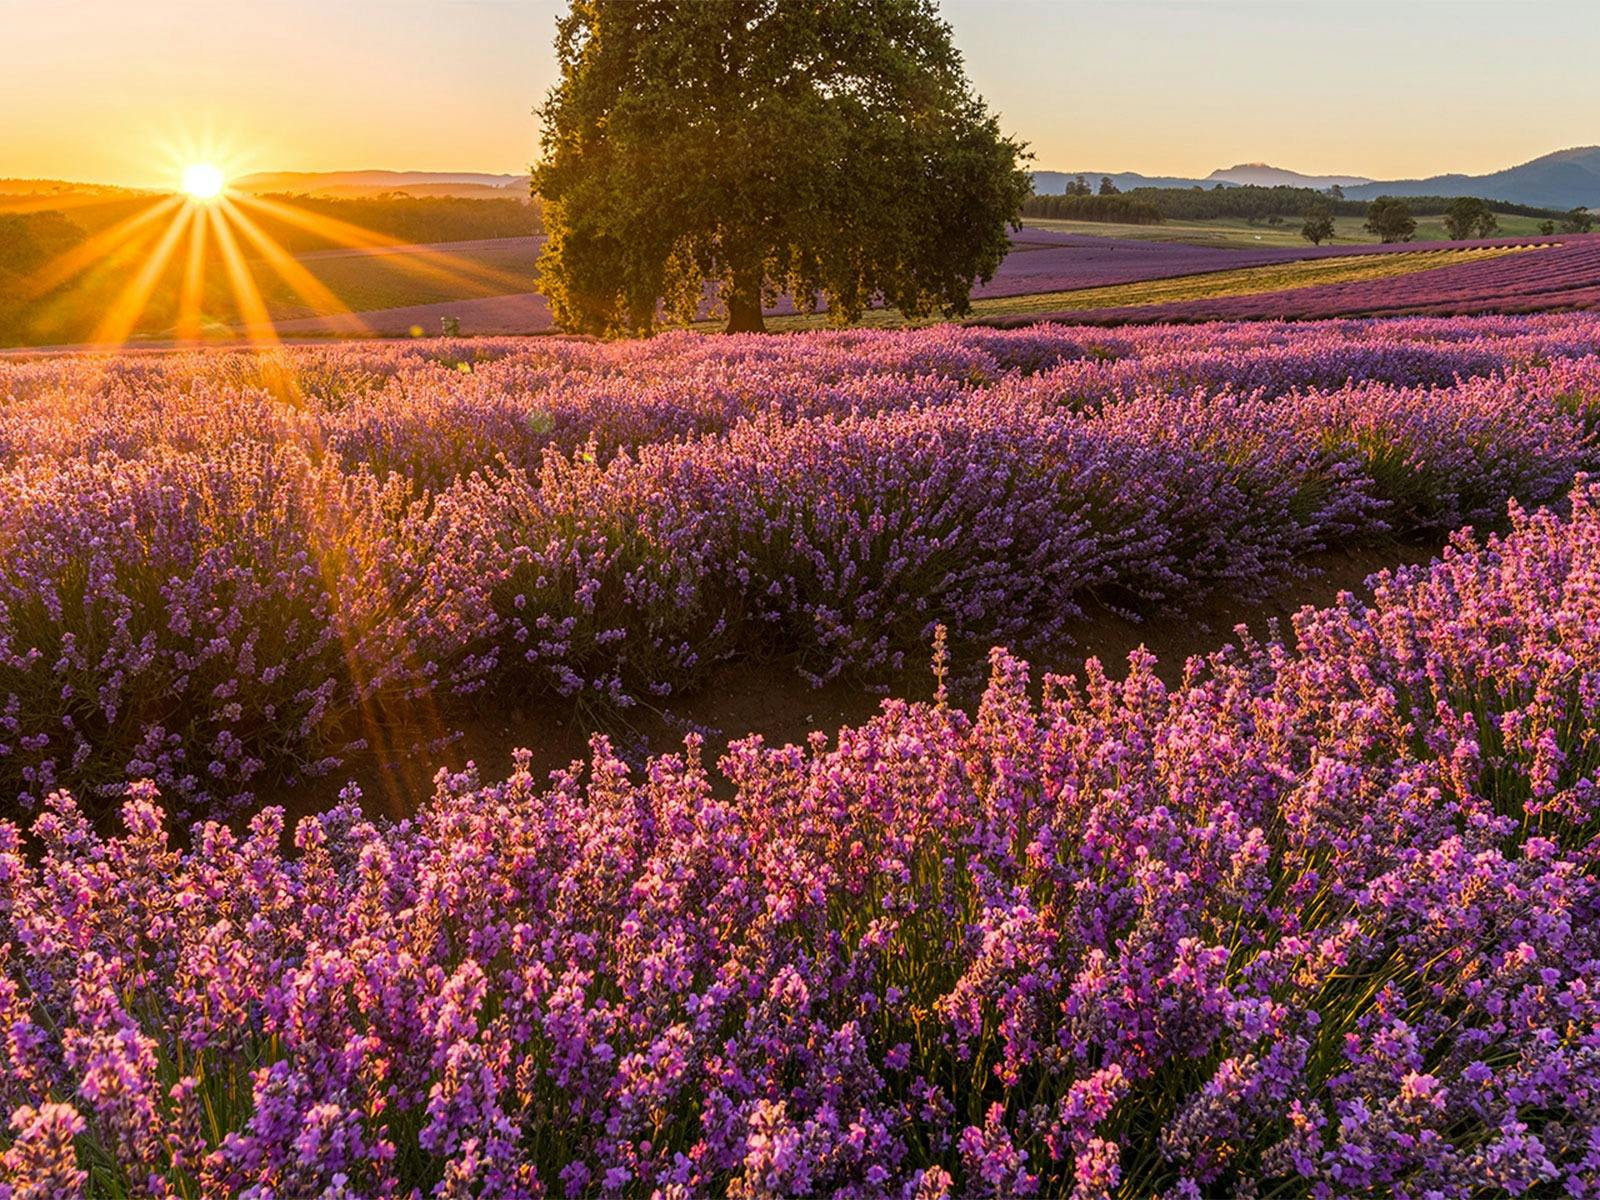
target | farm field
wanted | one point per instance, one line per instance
(392, 277)
(1004, 931)
(1548, 278)
(1047, 272)
(1245, 281)
(1222, 231)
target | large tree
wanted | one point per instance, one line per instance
(1469, 217)
(828, 149)
(1319, 226)
(1389, 219)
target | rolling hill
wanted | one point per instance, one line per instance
(347, 185)
(1565, 179)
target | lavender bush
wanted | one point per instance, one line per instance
(1324, 920)
(219, 572)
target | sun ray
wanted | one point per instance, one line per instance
(65, 310)
(96, 249)
(439, 265)
(129, 305)
(256, 322)
(300, 280)
(33, 202)
(187, 328)
(377, 716)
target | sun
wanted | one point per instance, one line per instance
(202, 181)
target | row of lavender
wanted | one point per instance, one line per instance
(218, 610)
(1047, 260)
(1323, 921)
(1565, 276)
(435, 411)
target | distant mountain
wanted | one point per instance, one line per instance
(1262, 175)
(348, 184)
(1565, 179)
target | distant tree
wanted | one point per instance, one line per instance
(1318, 227)
(1389, 219)
(1547, 227)
(1468, 217)
(828, 151)
(1119, 208)
(1579, 220)
(1107, 187)
(1274, 219)
(1335, 192)
(1079, 187)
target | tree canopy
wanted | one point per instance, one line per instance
(1469, 217)
(828, 149)
(1318, 227)
(1389, 219)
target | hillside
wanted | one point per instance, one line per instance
(347, 185)
(1565, 179)
(1561, 180)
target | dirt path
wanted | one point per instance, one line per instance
(771, 699)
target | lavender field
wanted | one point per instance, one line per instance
(1548, 277)
(1321, 918)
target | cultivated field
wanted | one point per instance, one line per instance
(1225, 231)
(1318, 911)
(492, 288)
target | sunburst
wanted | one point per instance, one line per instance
(207, 222)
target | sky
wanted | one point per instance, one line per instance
(125, 91)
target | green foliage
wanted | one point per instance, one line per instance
(1469, 217)
(1318, 227)
(1547, 227)
(1579, 220)
(1389, 219)
(27, 242)
(1120, 209)
(824, 149)
(1107, 187)
(1250, 202)
(405, 218)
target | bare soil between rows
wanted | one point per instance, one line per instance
(770, 698)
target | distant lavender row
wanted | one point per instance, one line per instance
(1325, 921)
(212, 607)
(433, 412)
(1043, 260)
(1556, 277)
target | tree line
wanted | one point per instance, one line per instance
(1388, 218)
(1251, 202)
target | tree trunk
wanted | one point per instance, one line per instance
(744, 304)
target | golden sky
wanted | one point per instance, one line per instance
(122, 90)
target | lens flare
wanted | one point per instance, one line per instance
(202, 181)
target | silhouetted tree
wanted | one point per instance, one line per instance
(1318, 227)
(830, 150)
(1079, 187)
(1579, 220)
(1389, 219)
(1335, 192)
(1107, 187)
(1467, 217)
